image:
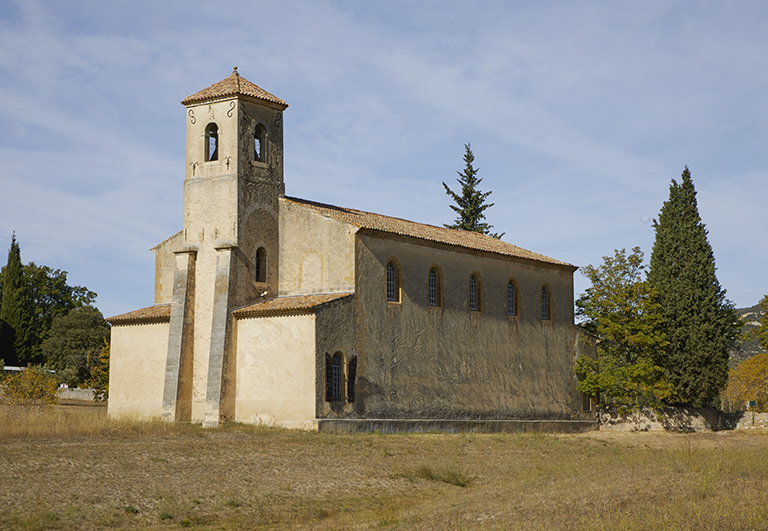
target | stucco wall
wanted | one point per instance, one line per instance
(423, 362)
(137, 370)
(276, 371)
(317, 254)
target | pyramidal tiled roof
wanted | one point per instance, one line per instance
(460, 238)
(232, 86)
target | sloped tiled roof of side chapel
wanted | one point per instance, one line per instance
(232, 86)
(403, 227)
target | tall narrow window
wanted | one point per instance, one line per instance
(511, 299)
(546, 310)
(474, 299)
(393, 283)
(586, 403)
(434, 287)
(211, 142)
(260, 144)
(261, 265)
(336, 372)
(333, 377)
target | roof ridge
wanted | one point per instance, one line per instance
(357, 210)
(425, 231)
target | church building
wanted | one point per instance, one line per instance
(283, 311)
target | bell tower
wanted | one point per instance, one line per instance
(229, 255)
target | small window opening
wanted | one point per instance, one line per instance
(261, 265)
(333, 377)
(211, 142)
(434, 287)
(586, 403)
(336, 374)
(393, 288)
(259, 144)
(545, 304)
(511, 301)
(474, 300)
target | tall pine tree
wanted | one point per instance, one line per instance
(470, 205)
(15, 312)
(700, 323)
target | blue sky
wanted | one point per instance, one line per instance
(579, 115)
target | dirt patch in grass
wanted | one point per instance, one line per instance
(159, 476)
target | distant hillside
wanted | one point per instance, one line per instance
(749, 346)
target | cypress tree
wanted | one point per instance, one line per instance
(15, 313)
(470, 205)
(700, 323)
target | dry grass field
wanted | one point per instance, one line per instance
(72, 468)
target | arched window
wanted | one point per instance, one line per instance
(393, 282)
(260, 144)
(434, 287)
(546, 304)
(474, 293)
(333, 377)
(260, 265)
(211, 142)
(336, 367)
(511, 298)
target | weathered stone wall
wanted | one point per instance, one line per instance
(336, 333)
(137, 369)
(682, 419)
(259, 188)
(418, 361)
(744, 420)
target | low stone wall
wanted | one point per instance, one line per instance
(454, 426)
(744, 420)
(74, 393)
(680, 419)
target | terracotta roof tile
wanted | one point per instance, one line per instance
(159, 313)
(291, 304)
(232, 86)
(461, 238)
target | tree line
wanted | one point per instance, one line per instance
(663, 332)
(45, 321)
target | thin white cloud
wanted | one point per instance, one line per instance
(579, 112)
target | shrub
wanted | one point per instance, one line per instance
(747, 382)
(99, 380)
(32, 387)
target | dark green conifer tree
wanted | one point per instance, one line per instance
(700, 323)
(15, 312)
(470, 205)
